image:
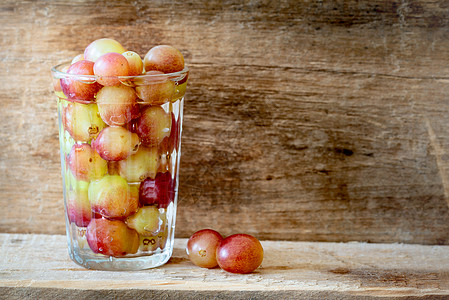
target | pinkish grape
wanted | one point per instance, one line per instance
(201, 248)
(113, 197)
(109, 66)
(82, 121)
(157, 90)
(141, 165)
(112, 237)
(85, 164)
(164, 58)
(151, 243)
(117, 104)
(135, 63)
(153, 125)
(102, 46)
(116, 143)
(77, 58)
(78, 205)
(148, 221)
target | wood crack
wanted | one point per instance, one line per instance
(439, 152)
(323, 70)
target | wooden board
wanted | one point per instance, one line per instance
(38, 266)
(304, 120)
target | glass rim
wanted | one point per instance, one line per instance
(58, 74)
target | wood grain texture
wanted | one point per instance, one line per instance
(304, 120)
(38, 266)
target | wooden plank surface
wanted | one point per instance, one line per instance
(304, 120)
(38, 266)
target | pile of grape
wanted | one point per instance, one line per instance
(238, 253)
(120, 127)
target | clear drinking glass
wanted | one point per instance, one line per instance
(120, 149)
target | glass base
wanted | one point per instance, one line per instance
(109, 263)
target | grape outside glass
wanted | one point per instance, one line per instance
(120, 151)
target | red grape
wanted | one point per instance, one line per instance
(171, 142)
(239, 253)
(76, 89)
(159, 190)
(153, 125)
(201, 248)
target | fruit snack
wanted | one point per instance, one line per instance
(120, 123)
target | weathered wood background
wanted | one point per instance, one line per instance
(304, 120)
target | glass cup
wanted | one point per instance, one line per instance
(120, 148)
